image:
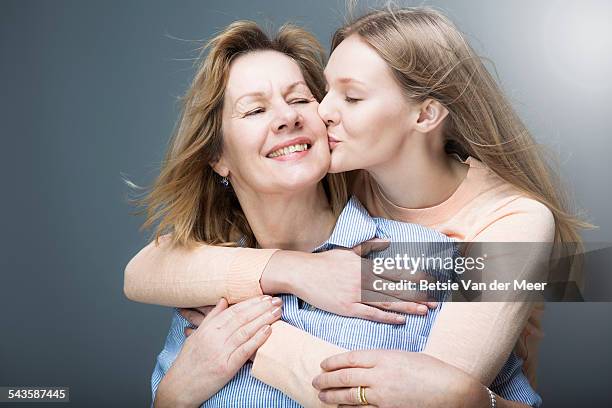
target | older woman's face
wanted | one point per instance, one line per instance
(273, 138)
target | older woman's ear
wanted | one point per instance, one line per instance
(220, 167)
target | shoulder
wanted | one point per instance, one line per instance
(507, 213)
(517, 219)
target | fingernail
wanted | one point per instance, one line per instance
(422, 309)
(266, 297)
(277, 301)
(276, 312)
(433, 305)
(400, 319)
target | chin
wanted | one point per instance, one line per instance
(339, 165)
(302, 180)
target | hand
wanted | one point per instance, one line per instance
(332, 281)
(195, 317)
(217, 349)
(395, 379)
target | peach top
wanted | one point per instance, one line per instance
(475, 337)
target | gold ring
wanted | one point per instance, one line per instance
(361, 395)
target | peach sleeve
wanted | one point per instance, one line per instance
(290, 359)
(180, 277)
(478, 337)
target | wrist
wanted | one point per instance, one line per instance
(281, 273)
(476, 395)
(171, 394)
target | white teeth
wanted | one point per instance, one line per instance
(289, 149)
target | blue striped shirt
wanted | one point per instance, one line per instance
(353, 227)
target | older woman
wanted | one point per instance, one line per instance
(248, 164)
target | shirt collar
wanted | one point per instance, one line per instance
(353, 227)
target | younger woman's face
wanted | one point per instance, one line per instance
(367, 116)
(273, 138)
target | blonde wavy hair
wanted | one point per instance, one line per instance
(188, 199)
(430, 58)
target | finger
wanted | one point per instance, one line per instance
(241, 313)
(363, 406)
(221, 305)
(373, 245)
(395, 295)
(194, 317)
(346, 396)
(245, 332)
(188, 331)
(376, 315)
(342, 378)
(247, 349)
(355, 358)
(401, 307)
(205, 310)
(399, 275)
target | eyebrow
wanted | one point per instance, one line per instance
(347, 80)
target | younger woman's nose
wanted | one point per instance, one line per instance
(327, 112)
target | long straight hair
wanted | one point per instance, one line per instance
(430, 58)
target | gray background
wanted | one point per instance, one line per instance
(88, 92)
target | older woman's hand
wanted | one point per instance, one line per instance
(216, 350)
(394, 379)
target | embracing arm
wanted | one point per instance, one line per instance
(296, 362)
(171, 276)
(477, 337)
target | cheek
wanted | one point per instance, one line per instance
(243, 141)
(313, 121)
(365, 122)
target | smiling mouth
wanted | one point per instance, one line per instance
(284, 151)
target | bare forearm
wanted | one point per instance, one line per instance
(169, 396)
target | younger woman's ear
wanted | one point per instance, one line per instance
(431, 114)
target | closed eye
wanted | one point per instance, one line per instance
(301, 101)
(254, 112)
(351, 100)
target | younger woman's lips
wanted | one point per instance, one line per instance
(332, 142)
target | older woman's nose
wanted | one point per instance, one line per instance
(288, 119)
(327, 113)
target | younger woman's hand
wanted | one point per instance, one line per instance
(216, 350)
(397, 379)
(332, 281)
